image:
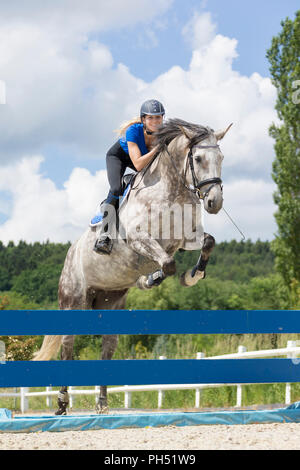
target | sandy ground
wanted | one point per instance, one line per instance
(205, 437)
(237, 437)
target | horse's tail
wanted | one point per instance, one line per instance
(50, 347)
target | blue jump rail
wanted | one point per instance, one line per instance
(144, 322)
(146, 372)
(141, 322)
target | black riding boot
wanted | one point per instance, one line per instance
(104, 242)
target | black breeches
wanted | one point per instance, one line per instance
(117, 161)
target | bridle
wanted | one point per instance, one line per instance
(197, 184)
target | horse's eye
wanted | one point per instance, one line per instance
(198, 159)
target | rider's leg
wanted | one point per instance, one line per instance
(116, 163)
(109, 208)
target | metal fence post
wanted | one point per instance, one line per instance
(71, 398)
(200, 355)
(290, 344)
(49, 398)
(97, 390)
(161, 393)
(241, 349)
(24, 399)
(127, 399)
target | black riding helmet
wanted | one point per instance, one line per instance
(152, 108)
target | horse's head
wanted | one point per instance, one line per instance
(204, 160)
(195, 153)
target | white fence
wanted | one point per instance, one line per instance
(291, 351)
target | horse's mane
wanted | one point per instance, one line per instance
(172, 128)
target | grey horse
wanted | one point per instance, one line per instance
(165, 196)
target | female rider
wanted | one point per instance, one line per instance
(134, 150)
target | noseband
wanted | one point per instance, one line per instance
(198, 184)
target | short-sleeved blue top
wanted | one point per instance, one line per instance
(134, 133)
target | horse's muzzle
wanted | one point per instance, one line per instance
(213, 201)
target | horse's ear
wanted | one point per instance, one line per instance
(186, 133)
(220, 133)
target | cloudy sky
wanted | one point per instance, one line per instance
(73, 71)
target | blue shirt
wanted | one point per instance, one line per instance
(134, 133)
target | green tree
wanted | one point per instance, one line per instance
(283, 56)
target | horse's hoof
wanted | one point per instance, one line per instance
(103, 410)
(169, 268)
(102, 406)
(188, 280)
(63, 402)
(61, 412)
(182, 280)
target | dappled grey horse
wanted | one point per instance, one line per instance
(159, 216)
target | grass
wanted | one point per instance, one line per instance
(220, 397)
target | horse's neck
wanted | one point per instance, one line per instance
(170, 170)
(168, 166)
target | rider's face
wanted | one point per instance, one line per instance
(152, 122)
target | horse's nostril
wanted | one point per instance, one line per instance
(210, 203)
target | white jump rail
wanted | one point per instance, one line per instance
(291, 351)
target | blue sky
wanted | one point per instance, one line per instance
(253, 24)
(71, 83)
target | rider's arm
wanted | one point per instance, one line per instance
(139, 160)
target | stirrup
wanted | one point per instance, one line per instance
(103, 245)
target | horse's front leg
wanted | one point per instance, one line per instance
(66, 355)
(192, 276)
(151, 249)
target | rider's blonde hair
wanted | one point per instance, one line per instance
(124, 126)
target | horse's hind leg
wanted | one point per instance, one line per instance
(70, 301)
(108, 300)
(66, 355)
(192, 276)
(109, 345)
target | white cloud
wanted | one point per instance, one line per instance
(41, 211)
(64, 88)
(72, 16)
(200, 30)
(250, 204)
